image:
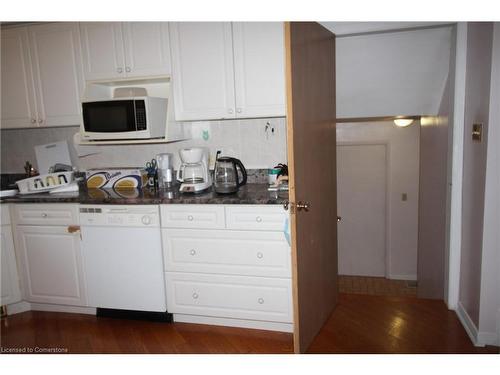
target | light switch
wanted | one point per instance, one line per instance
(404, 197)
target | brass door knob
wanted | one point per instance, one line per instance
(302, 206)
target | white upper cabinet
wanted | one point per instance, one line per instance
(102, 47)
(18, 101)
(57, 70)
(147, 48)
(259, 69)
(130, 49)
(223, 70)
(42, 77)
(202, 70)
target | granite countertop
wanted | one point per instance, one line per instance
(247, 194)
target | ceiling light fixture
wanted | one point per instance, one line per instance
(402, 122)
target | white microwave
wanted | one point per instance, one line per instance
(142, 117)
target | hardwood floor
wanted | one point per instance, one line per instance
(378, 286)
(360, 324)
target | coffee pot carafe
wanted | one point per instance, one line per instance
(226, 176)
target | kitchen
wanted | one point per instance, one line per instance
(195, 236)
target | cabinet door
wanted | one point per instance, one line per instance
(259, 69)
(51, 265)
(202, 70)
(18, 103)
(147, 49)
(102, 49)
(57, 69)
(10, 281)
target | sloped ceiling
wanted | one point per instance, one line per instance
(392, 73)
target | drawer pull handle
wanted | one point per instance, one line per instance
(258, 219)
(260, 300)
(192, 252)
(260, 255)
(195, 296)
(190, 217)
(44, 215)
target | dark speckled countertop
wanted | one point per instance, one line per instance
(247, 194)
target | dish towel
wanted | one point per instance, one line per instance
(286, 231)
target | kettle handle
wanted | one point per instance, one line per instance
(243, 172)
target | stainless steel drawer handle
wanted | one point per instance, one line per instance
(192, 252)
(260, 255)
(258, 219)
(190, 218)
(44, 214)
(195, 296)
(260, 301)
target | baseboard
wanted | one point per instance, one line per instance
(18, 307)
(468, 324)
(403, 277)
(487, 338)
(228, 322)
(63, 308)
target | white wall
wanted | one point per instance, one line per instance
(392, 73)
(243, 139)
(403, 170)
(489, 311)
(477, 95)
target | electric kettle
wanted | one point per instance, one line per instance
(226, 178)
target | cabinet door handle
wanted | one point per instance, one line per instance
(258, 219)
(119, 70)
(230, 111)
(238, 110)
(127, 69)
(260, 301)
(73, 228)
(260, 255)
(190, 217)
(195, 296)
(40, 120)
(44, 215)
(192, 252)
(33, 121)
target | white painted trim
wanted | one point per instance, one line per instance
(457, 168)
(18, 307)
(63, 308)
(403, 277)
(468, 324)
(487, 338)
(228, 322)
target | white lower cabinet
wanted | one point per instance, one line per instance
(11, 292)
(50, 259)
(239, 297)
(225, 276)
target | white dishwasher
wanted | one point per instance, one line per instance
(122, 257)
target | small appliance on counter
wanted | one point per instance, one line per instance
(226, 177)
(193, 172)
(165, 167)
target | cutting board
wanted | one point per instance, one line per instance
(50, 154)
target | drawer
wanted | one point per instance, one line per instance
(200, 216)
(256, 217)
(227, 252)
(46, 214)
(238, 297)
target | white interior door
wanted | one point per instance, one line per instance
(361, 197)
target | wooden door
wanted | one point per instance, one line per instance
(361, 201)
(310, 79)
(102, 49)
(147, 48)
(57, 68)
(18, 93)
(259, 69)
(51, 265)
(202, 70)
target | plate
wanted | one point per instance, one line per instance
(8, 193)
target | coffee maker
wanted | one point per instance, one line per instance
(193, 173)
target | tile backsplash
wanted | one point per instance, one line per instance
(259, 143)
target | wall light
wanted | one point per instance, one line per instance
(402, 122)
